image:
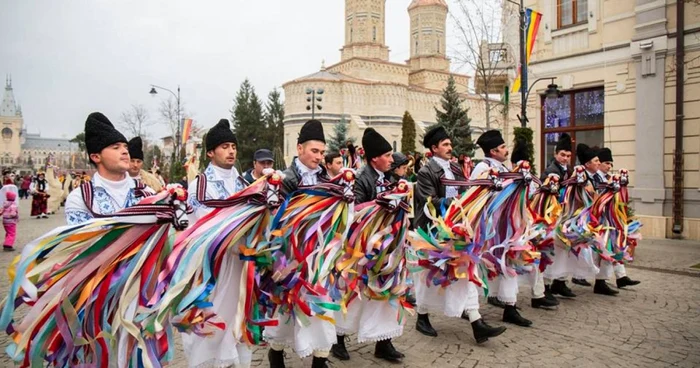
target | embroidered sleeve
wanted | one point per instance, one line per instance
(76, 217)
(76, 211)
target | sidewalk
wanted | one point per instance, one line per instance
(676, 256)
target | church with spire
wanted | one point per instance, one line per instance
(11, 126)
(366, 89)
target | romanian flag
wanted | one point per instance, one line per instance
(532, 24)
(186, 129)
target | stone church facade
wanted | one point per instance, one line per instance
(365, 89)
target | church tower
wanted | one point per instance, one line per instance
(428, 39)
(364, 30)
(11, 124)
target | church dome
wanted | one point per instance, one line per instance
(417, 3)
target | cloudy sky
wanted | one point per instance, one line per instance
(69, 58)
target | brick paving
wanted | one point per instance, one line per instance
(655, 324)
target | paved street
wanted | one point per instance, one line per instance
(655, 324)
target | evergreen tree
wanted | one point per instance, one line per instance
(408, 134)
(527, 135)
(454, 118)
(274, 120)
(340, 136)
(249, 124)
(203, 159)
(279, 159)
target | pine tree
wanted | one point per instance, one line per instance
(454, 118)
(248, 124)
(527, 135)
(340, 136)
(274, 120)
(279, 159)
(203, 158)
(408, 134)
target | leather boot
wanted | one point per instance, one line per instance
(423, 326)
(559, 288)
(511, 315)
(385, 350)
(339, 350)
(276, 358)
(581, 282)
(496, 302)
(548, 294)
(602, 287)
(482, 331)
(319, 362)
(626, 281)
(544, 303)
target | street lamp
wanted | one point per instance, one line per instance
(313, 98)
(154, 92)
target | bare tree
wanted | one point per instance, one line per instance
(482, 49)
(169, 114)
(136, 121)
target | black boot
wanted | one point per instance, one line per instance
(496, 302)
(549, 296)
(339, 350)
(626, 281)
(559, 288)
(385, 350)
(423, 326)
(581, 282)
(482, 331)
(319, 362)
(602, 287)
(544, 303)
(511, 315)
(276, 358)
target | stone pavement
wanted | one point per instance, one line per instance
(655, 324)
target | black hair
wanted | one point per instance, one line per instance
(331, 156)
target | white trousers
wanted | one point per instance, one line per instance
(372, 320)
(452, 300)
(317, 338)
(222, 348)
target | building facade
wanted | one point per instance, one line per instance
(365, 89)
(37, 149)
(616, 64)
(11, 127)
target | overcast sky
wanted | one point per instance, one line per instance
(69, 58)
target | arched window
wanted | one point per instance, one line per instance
(394, 146)
(438, 50)
(7, 133)
(374, 33)
(350, 34)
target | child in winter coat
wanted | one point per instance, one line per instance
(10, 218)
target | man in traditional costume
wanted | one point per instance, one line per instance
(562, 159)
(136, 170)
(219, 181)
(372, 320)
(560, 167)
(604, 173)
(319, 335)
(442, 181)
(110, 189)
(496, 154)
